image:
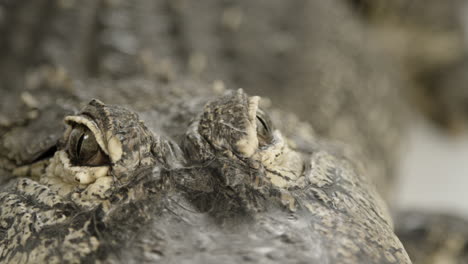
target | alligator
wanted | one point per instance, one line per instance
(125, 137)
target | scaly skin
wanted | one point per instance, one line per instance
(188, 183)
(219, 180)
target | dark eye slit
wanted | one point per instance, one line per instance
(78, 146)
(263, 123)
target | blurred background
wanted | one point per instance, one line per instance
(433, 174)
(429, 39)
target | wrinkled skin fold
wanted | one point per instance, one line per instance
(232, 172)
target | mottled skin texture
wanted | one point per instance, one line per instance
(226, 190)
(58, 217)
(190, 183)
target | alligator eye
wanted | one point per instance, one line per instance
(84, 149)
(264, 128)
